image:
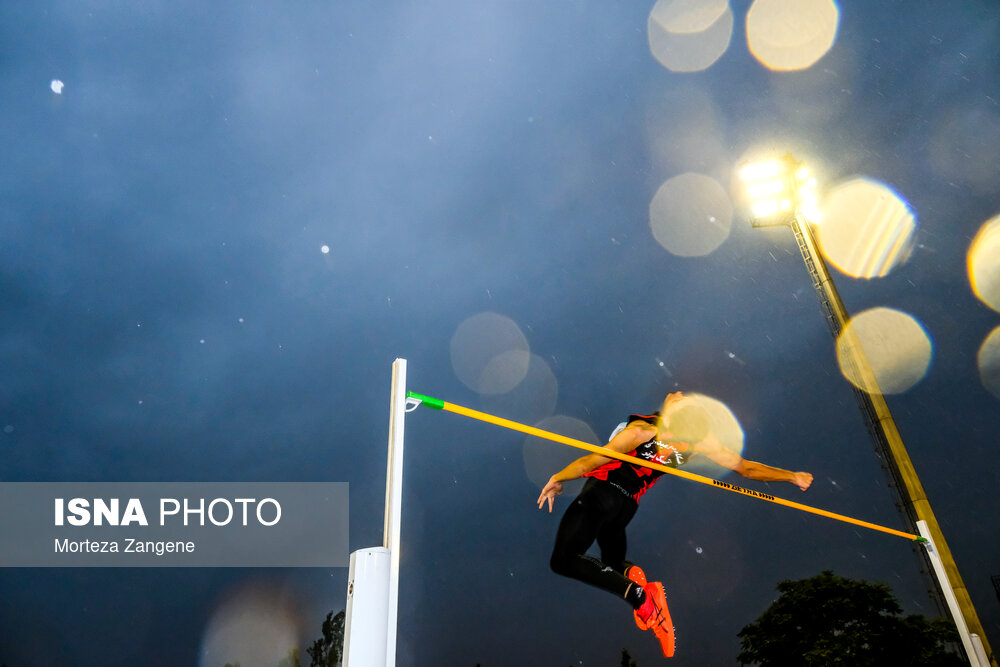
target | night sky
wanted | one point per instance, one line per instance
(221, 222)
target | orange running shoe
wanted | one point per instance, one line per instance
(654, 615)
(635, 573)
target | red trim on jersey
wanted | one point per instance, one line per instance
(638, 479)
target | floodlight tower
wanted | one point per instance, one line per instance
(782, 192)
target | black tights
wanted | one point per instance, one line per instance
(601, 512)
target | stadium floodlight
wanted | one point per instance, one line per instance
(778, 189)
(782, 192)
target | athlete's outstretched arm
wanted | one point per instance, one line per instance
(714, 450)
(631, 437)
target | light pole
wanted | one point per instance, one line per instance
(783, 193)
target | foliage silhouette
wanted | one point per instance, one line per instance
(328, 650)
(829, 620)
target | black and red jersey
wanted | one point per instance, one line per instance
(633, 480)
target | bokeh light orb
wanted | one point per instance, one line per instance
(255, 627)
(691, 215)
(962, 149)
(984, 264)
(688, 16)
(896, 346)
(532, 400)
(988, 361)
(489, 353)
(695, 140)
(788, 35)
(698, 416)
(689, 35)
(866, 229)
(543, 458)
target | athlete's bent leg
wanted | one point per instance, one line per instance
(595, 507)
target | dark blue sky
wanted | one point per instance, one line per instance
(167, 314)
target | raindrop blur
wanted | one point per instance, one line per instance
(867, 230)
(695, 141)
(687, 16)
(791, 34)
(897, 349)
(696, 417)
(543, 458)
(988, 361)
(489, 353)
(690, 215)
(689, 35)
(984, 264)
(57, 86)
(532, 400)
(254, 628)
(962, 149)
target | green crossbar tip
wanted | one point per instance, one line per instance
(428, 401)
(922, 540)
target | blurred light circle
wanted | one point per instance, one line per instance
(530, 401)
(675, 41)
(694, 141)
(690, 215)
(720, 553)
(791, 34)
(489, 353)
(989, 362)
(543, 457)
(963, 148)
(984, 264)
(253, 627)
(866, 229)
(688, 16)
(698, 416)
(897, 349)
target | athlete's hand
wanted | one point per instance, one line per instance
(551, 490)
(802, 480)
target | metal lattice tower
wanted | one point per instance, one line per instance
(908, 490)
(864, 401)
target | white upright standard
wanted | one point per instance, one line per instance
(373, 581)
(971, 642)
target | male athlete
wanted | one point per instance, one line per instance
(610, 498)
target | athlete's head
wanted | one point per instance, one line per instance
(672, 399)
(669, 406)
(683, 418)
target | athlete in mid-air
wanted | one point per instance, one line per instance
(610, 498)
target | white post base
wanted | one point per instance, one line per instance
(365, 628)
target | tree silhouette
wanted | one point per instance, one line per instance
(627, 660)
(830, 620)
(328, 650)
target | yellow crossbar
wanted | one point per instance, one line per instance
(579, 444)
